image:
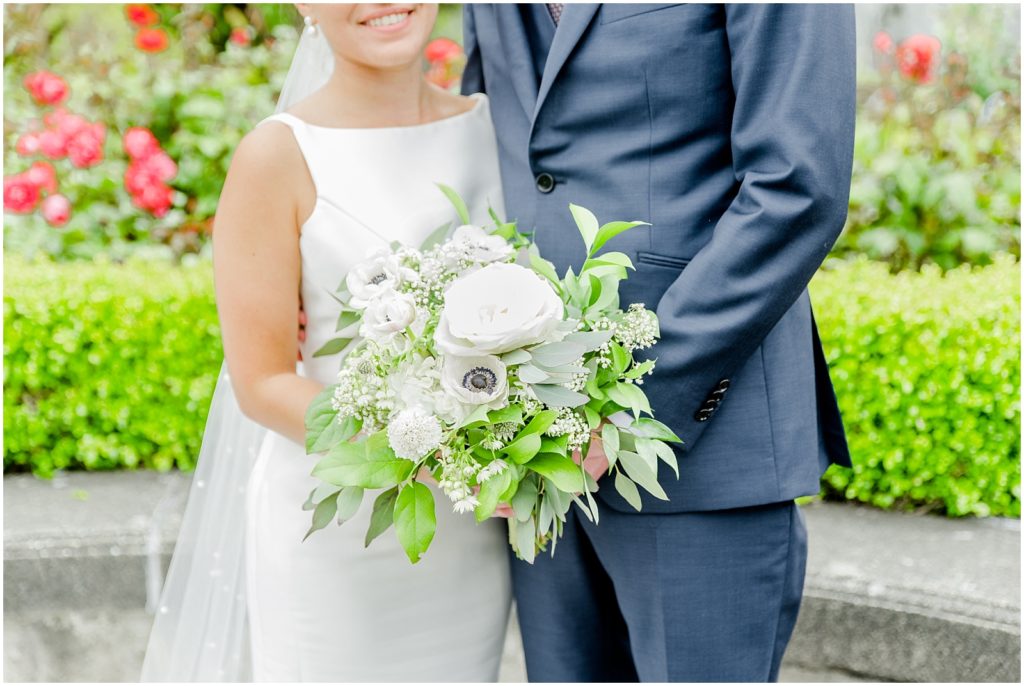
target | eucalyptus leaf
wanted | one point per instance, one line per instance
(638, 470)
(415, 520)
(646, 427)
(322, 515)
(525, 539)
(560, 502)
(520, 356)
(524, 499)
(610, 443)
(349, 500)
(590, 340)
(531, 375)
(557, 354)
(558, 396)
(383, 514)
(628, 490)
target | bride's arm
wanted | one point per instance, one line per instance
(266, 195)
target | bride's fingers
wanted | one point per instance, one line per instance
(504, 511)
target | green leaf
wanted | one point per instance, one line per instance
(383, 514)
(349, 500)
(617, 259)
(645, 447)
(587, 223)
(593, 417)
(523, 448)
(520, 356)
(540, 423)
(323, 429)
(630, 395)
(610, 442)
(415, 521)
(331, 347)
(560, 469)
(558, 444)
(524, 499)
(639, 370)
(437, 236)
(512, 413)
(457, 202)
(523, 539)
(322, 515)
(543, 267)
(557, 354)
(627, 489)
(490, 494)
(638, 470)
(479, 414)
(651, 428)
(346, 319)
(610, 231)
(590, 340)
(561, 502)
(370, 464)
(558, 396)
(620, 358)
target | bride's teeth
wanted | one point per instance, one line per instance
(388, 20)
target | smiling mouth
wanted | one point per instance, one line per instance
(392, 19)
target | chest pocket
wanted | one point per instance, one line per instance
(613, 12)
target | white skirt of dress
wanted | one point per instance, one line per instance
(328, 609)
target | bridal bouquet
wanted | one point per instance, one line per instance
(472, 363)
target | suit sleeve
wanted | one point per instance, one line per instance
(793, 73)
(473, 74)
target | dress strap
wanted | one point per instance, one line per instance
(304, 139)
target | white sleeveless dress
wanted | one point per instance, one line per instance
(328, 609)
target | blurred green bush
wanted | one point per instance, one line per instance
(107, 366)
(926, 368)
(111, 366)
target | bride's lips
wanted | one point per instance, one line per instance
(388, 16)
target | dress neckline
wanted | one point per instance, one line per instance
(480, 98)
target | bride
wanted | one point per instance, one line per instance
(349, 164)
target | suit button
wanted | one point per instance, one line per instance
(545, 182)
(723, 384)
(718, 393)
(703, 415)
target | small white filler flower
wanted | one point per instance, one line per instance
(413, 433)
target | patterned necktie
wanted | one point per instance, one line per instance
(555, 9)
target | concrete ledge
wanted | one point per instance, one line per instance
(887, 597)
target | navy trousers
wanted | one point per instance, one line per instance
(692, 596)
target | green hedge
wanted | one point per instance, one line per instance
(113, 365)
(927, 372)
(106, 366)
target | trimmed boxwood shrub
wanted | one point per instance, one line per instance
(110, 366)
(107, 366)
(927, 372)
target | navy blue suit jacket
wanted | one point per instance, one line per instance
(730, 129)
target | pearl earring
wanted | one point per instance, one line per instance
(311, 28)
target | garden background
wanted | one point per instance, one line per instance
(119, 122)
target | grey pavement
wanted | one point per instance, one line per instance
(888, 596)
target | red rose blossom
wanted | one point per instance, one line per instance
(240, 36)
(883, 42)
(28, 143)
(442, 50)
(155, 198)
(53, 144)
(139, 142)
(151, 40)
(141, 15)
(916, 57)
(46, 88)
(85, 149)
(56, 210)
(43, 176)
(20, 195)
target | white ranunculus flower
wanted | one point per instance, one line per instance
(387, 315)
(378, 274)
(480, 380)
(496, 309)
(480, 245)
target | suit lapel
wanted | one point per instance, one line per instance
(516, 47)
(574, 22)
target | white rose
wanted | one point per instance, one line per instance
(388, 315)
(478, 380)
(378, 274)
(496, 309)
(481, 246)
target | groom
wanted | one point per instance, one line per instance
(730, 129)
